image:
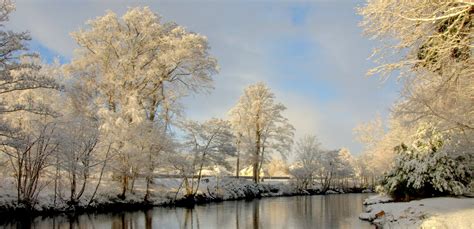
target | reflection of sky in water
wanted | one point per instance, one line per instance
(332, 211)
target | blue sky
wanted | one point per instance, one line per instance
(311, 53)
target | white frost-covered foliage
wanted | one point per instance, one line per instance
(68, 132)
(277, 167)
(421, 36)
(312, 163)
(138, 67)
(378, 154)
(429, 44)
(27, 110)
(206, 145)
(426, 168)
(345, 163)
(260, 127)
(308, 160)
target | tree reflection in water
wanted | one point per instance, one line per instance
(330, 211)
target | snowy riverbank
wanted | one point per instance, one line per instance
(164, 192)
(439, 212)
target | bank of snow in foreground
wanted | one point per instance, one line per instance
(439, 212)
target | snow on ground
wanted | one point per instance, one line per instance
(378, 199)
(439, 212)
(163, 190)
(230, 188)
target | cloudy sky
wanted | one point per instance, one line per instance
(311, 53)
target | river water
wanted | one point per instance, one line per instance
(329, 211)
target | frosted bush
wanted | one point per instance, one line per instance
(427, 169)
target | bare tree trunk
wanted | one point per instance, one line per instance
(132, 185)
(238, 165)
(73, 187)
(260, 165)
(179, 188)
(124, 186)
(29, 164)
(100, 176)
(189, 190)
(149, 176)
(237, 173)
(200, 173)
(147, 192)
(56, 176)
(83, 187)
(256, 174)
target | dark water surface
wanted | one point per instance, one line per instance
(330, 211)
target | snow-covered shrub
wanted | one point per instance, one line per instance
(426, 168)
(302, 177)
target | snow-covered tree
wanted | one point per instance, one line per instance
(329, 162)
(19, 74)
(139, 68)
(277, 167)
(206, 145)
(373, 161)
(29, 131)
(141, 65)
(363, 170)
(313, 162)
(379, 144)
(259, 124)
(426, 168)
(345, 167)
(155, 151)
(308, 155)
(370, 133)
(430, 45)
(416, 35)
(29, 159)
(27, 96)
(78, 153)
